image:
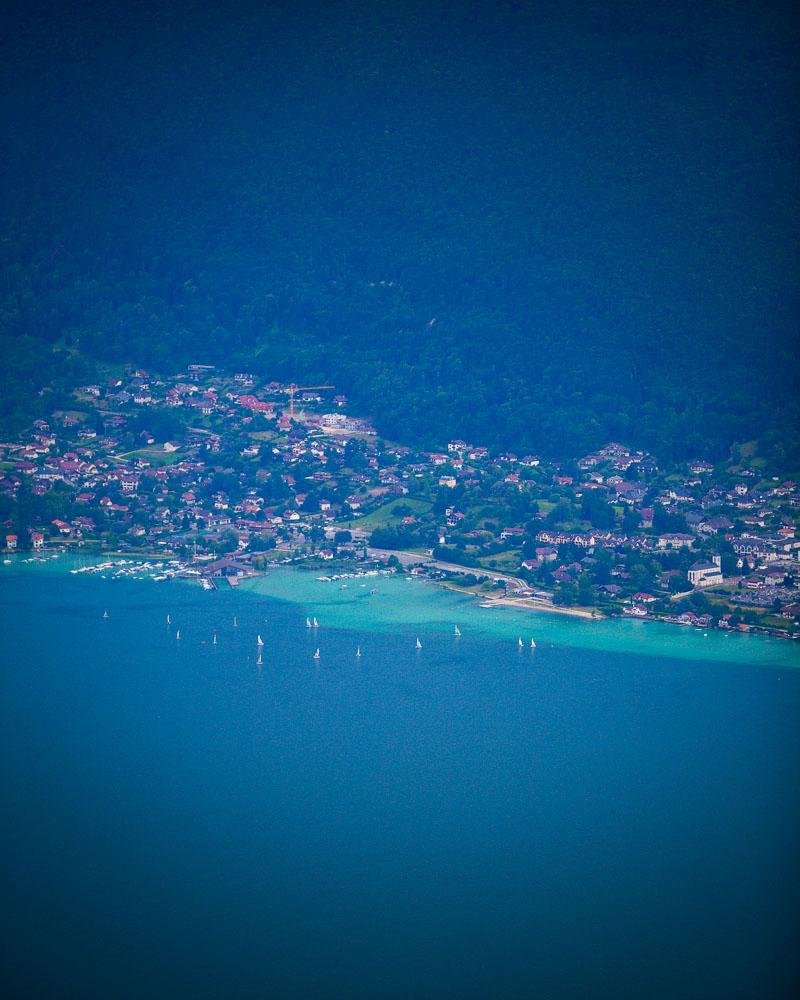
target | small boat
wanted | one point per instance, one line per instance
(316, 623)
(105, 613)
(358, 651)
(316, 655)
(259, 641)
(419, 644)
(169, 620)
(308, 623)
(520, 643)
(456, 630)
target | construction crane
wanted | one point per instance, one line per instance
(302, 388)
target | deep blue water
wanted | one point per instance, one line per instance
(460, 822)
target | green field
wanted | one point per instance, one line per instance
(155, 455)
(504, 562)
(385, 516)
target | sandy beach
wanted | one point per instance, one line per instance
(531, 604)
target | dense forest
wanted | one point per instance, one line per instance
(538, 226)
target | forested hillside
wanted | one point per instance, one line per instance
(532, 226)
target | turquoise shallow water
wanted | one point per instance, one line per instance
(463, 821)
(402, 603)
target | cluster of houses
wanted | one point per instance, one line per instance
(221, 463)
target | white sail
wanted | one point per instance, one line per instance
(214, 640)
(235, 623)
(358, 651)
(456, 630)
(316, 655)
(258, 661)
(419, 644)
(178, 634)
(169, 620)
(316, 623)
(308, 623)
(520, 643)
(533, 644)
(105, 613)
(259, 641)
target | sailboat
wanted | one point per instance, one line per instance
(316, 655)
(308, 623)
(169, 620)
(105, 613)
(258, 661)
(419, 644)
(235, 623)
(214, 640)
(316, 623)
(358, 651)
(533, 644)
(178, 634)
(259, 641)
(520, 643)
(456, 630)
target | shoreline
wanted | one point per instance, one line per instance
(531, 604)
(485, 601)
(520, 603)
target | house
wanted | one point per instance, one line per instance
(448, 481)
(37, 539)
(675, 540)
(11, 542)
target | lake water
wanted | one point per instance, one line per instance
(468, 820)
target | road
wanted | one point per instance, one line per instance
(412, 558)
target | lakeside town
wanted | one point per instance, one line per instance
(219, 476)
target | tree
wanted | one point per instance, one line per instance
(631, 520)
(354, 455)
(567, 594)
(596, 510)
(586, 595)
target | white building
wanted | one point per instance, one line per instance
(705, 574)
